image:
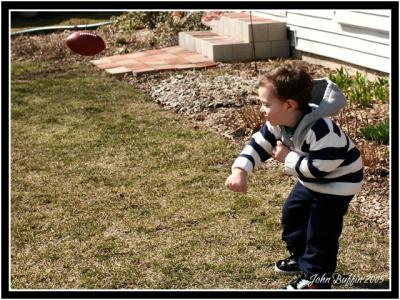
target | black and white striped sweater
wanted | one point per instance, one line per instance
(322, 156)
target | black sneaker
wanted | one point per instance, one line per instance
(304, 283)
(287, 266)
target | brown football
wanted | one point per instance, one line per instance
(85, 43)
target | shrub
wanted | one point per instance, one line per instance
(341, 78)
(132, 21)
(358, 89)
(381, 89)
(379, 132)
(41, 47)
(164, 26)
(166, 33)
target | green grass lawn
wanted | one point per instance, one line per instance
(109, 191)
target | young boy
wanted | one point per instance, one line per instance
(327, 164)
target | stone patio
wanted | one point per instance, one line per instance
(166, 59)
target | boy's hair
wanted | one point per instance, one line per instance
(290, 81)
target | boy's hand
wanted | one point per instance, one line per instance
(280, 152)
(237, 181)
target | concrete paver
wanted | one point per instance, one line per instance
(166, 59)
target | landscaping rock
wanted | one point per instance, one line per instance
(193, 92)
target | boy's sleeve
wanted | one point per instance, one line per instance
(327, 145)
(258, 150)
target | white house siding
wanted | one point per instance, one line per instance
(360, 37)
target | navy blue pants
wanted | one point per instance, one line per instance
(312, 223)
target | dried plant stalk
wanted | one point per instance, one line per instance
(252, 117)
(371, 154)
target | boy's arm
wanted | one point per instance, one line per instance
(258, 150)
(328, 146)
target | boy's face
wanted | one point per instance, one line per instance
(274, 110)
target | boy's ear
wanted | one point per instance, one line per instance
(292, 104)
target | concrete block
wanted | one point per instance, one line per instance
(228, 26)
(182, 39)
(204, 47)
(263, 50)
(260, 32)
(218, 28)
(238, 31)
(277, 31)
(222, 53)
(193, 43)
(245, 34)
(242, 52)
(210, 51)
(280, 48)
(197, 45)
(223, 21)
(190, 42)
